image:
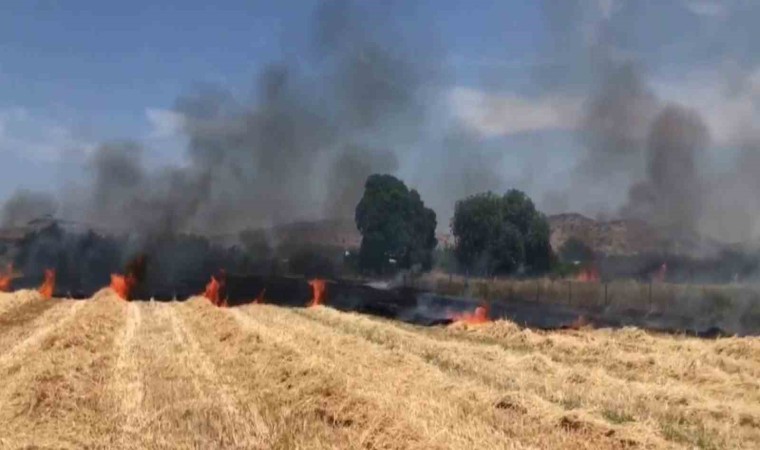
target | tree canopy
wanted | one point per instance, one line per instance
(395, 226)
(501, 234)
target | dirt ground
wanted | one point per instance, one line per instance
(104, 373)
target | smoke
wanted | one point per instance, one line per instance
(671, 196)
(616, 123)
(644, 156)
(24, 206)
(363, 95)
(125, 197)
(348, 174)
(463, 167)
(300, 148)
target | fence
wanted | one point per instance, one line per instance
(624, 295)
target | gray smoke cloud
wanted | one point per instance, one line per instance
(24, 206)
(616, 123)
(644, 156)
(348, 174)
(302, 148)
(363, 97)
(585, 57)
(463, 167)
(671, 196)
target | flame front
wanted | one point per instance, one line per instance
(215, 290)
(122, 285)
(480, 315)
(212, 291)
(6, 279)
(319, 292)
(588, 275)
(48, 286)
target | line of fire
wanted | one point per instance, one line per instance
(309, 269)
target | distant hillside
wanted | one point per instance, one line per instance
(624, 237)
(616, 237)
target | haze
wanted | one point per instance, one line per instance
(192, 117)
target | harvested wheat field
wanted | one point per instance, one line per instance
(104, 373)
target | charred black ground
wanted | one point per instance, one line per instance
(179, 267)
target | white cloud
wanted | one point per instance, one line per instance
(706, 8)
(505, 114)
(729, 106)
(164, 123)
(37, 137)
(606, 7)
(730, 112)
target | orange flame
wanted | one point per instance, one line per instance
(48, 286)
(6, 279)
(215, 290)
(588, 275)
(480, 315)
(260, 299)
(319, 292)
(212, 291)
(122, 285)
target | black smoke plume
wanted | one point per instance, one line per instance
(671, 196)
(24, 206)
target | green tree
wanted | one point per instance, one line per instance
(395, 225)
(478, 221)
(501, 234)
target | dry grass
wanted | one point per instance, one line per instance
(9, 301)
(716, 303)
(108, 374)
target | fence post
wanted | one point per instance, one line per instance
(569, 292)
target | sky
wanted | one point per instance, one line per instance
(75, 74)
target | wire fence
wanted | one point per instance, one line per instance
(630, 295)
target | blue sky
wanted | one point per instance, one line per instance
(77, 73)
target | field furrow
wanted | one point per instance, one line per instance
(54, 396)
(10, 301)
(126, 383)
(675, 409)
(464, 412)
(167, 392)
(294, 406)
(104, 373)
(240, 423)
(21, 314)
(16, 339)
